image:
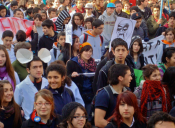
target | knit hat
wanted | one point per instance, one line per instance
(134, 8)
(83, 44)
(67, 109)
(136, 16)
(134, 38)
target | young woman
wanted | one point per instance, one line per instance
(168, 42)
(126, 7)
(135, 55)
(56, 74)
(21, 36)
(83, 63)
(167, 60)
(152, 96)
(88, 23)
(65, 52)
(126, 113)
(74, 115)
(77, 22)
(10, 114)
(6, 70)
(43, 15)
(43, 115)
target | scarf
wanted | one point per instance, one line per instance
(4, 76)
(9, 110)
(154, 90)
(91, 65)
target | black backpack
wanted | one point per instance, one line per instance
(86, 38)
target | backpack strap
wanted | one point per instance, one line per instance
(111, 96)
(85, 37)
(70, 93)
(55, 52)
(164, 46)
(101, 38)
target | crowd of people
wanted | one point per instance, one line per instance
(87, 84)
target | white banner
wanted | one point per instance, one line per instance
(68, 30)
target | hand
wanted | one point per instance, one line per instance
(22, 113)
(1, 125)
(159, 21)
(74, 74)
(163, 33)
(2, 108)
(34, 29)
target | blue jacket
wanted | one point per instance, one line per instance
(60, 99)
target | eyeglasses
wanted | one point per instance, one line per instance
(79, 117)
(41, 104)
(76, 19)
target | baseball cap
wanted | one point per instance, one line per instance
(136, 16)
(88, 5)
(110, 5)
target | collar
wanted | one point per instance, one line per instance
(166, 42)
(89, 32)
(133, 120)
(11, 49)
(114, 92)
(116, 63)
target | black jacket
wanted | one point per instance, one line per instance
(103, 75)
(31, 124)
(146, 14)
(122, 14)
(47, 42)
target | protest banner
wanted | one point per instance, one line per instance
(68, 30)
(14, 24)
(150, 49)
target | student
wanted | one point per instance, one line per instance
(56, 74)
(29, 13)
(19, 68)
(88, 23)
(150, 72)
(169, 41)
(118, 10)
(6, 70)
(77, 23)
(167, 60)
(126, 7)
(49, 37)
(7, 38)
(26, 90)
(79, 6)
(74, 115)
(154, 22)
(3, 11)
(83, 63)
(120, 51)
(95, 39)
(43, 115)
(13, 6)
(10, 114)
(62, 19)
(52, 13)
(70, 84)
(126, 113)
(108, 18)
(36, 10)
(88, 7)
(18, 13)
(160, 120)
(98, 8)
(64, 4)
(135, 52)
(43, 15)
(169, 24)
(118, 73)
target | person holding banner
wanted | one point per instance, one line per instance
(168, 42)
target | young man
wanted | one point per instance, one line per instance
(7, 38)
(169, 24)
(3, 11)
(119, 81)
(98, 7)
(25, 91)
(57, 47)
(120, 51)
(29, 13)
(52, 13)
(138, 30)
(79, 6)
(36, 10)
(118, 10)
(64, 3)
(144, 9)
(161, 120)
(49, 37)
(13, 6)
(18, 13)
(108, 19)
(154, 22)
(89, 8)
(94, 38)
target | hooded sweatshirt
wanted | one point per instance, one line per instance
(59, 22)
(160, 49)
(109, 22)
(95, 41)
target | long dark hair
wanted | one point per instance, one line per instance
(64, 123)
(141, 47)
(81, 18)
(17, 118)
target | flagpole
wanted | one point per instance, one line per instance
(160, 17)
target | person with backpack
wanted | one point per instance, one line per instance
(56, 74)
(105, 100)
(168, 42)
(108, 17)
(167, 60)
(94, 38)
